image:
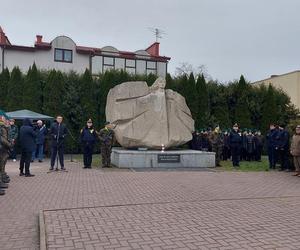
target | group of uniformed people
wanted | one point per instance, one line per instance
(88, 138)
(235, 144)
(248, 145)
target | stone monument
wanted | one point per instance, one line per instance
(149, 117)
(152, 118)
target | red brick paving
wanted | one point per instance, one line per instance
(151, 210)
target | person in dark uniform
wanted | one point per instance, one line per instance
(58, 132)
(259, 142)
(226, 147)
(27, 140)
(203, 141)
(243, 156)
(282, 149)
(193, 142)
(250, 146)
(88, 137)
(271, 137)
(107, 138)
(235, 140)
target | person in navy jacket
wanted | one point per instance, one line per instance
(27, 141)
(88, 137)
(58, 132)
(272, 144)
(235, 141)
(282, 148)
(40, 140)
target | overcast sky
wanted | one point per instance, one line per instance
(256, 38)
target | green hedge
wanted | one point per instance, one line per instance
(79, 97)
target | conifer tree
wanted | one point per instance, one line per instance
(242, 112)
(32, 91)
(4, 81)
(189, 92)
(88, 98)
(53, 93)
(15, 90)
(202, 103)
(269, 110)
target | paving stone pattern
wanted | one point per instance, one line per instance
(108, 209)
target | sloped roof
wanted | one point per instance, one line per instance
(22, 114)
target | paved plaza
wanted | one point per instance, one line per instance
(123, 209)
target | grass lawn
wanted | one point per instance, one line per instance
(246, 166)
(96, 160)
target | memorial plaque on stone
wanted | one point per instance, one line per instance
(168, 158)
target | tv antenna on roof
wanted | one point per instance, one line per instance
(157, 32)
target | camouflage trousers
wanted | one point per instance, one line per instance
(218, 151)
(105, 154)
(3, 160)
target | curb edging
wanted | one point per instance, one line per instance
(43, 244)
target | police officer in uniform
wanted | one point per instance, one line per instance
(107, 139)
(272, 141)
(58, 132)
(235, 141)
(88, 137)
(282, 150)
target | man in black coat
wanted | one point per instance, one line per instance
(40, 140)
(235, 140)
(282, 149)
(272, 143)
(27, 141)
(58, 132)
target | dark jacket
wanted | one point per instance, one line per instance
(283, 139)
(235, 139)
(58, 133)
(88, 135)
(204, 143)
(259, 141)
(272, 138)
(251, 146)
(41, 133)
(27, 136)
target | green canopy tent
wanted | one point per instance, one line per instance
(22, 114)
(2, 113)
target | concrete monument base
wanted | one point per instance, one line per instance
(126, 158)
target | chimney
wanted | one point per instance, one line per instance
(153, 49)
(39, 39)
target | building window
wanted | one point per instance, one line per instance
(63, 55)
(130, 66)
(108, 63)
(151, 67)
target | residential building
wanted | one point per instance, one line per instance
(62, 53)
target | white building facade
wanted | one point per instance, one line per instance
(63, 54)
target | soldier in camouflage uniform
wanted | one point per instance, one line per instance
(217, 143)
(5, 147)
(107, 139)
